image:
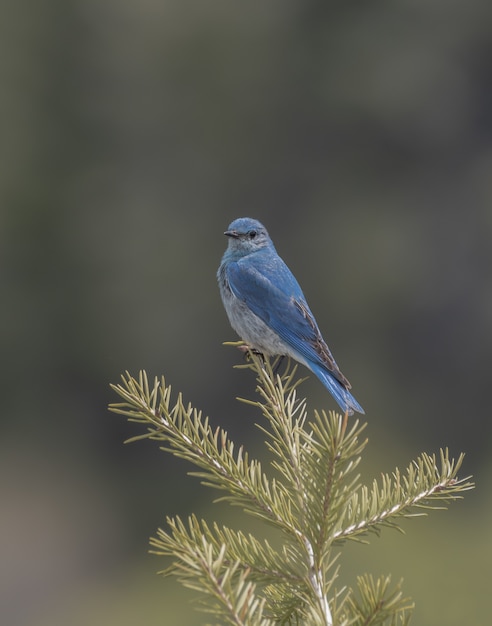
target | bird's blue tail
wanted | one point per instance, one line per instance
(344, 398)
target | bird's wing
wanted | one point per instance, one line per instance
(273, 294)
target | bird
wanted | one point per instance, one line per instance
(267, 308)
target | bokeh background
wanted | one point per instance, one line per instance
(133, 132)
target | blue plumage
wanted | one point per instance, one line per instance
(268, 310)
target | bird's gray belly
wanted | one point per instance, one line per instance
(250, 327)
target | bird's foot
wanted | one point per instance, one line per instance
(248, 350)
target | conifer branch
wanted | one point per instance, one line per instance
(424, 485)
(184, 432)
(314, 497)
(204, 565)
(377, 603)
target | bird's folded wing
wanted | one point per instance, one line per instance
(275, 297)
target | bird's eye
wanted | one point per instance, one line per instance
(252, 234)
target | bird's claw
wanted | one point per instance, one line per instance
(248, 350)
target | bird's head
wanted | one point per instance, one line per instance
(247, 235)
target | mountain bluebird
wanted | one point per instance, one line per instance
(266, 307)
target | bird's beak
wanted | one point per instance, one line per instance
(231, 233)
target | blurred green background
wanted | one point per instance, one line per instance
(360, 133)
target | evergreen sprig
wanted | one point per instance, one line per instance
(312, 495)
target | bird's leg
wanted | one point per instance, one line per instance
(344, 423)
(278, 364)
